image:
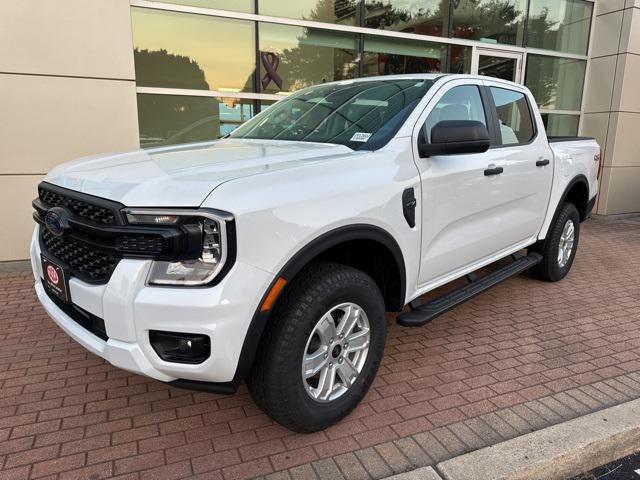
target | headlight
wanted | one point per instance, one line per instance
(208, 233)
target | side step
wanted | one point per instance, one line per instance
(423, 314)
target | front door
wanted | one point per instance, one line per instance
(497, 64)
(462, 206)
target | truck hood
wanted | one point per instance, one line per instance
(183, 176)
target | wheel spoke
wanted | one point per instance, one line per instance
(326, 329)
(358, 341)
(326, 383)
(349, 320)
(348, 372)
(314, 362)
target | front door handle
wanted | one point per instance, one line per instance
(542, 163)
(493, 170)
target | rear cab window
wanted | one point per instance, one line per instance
(515, 118)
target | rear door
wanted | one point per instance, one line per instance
(527, 160)
(462, 207)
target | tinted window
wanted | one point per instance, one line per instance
(514, 116)
(292, 58)
(459, 103)
(425, 17)
(490, 21)
(561, 25)
(556, 83)
(197, 52)
(330, 11)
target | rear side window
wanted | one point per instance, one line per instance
(459, 103)
(514, 116)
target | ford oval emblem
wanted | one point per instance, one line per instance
(56, 221)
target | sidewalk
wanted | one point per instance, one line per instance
(564, 450)
(518, 358)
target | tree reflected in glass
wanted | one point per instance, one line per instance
(329, 11)
(425, 17)
(491, 21)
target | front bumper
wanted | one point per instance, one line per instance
(130, 309)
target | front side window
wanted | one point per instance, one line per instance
(514, 116)
(459, 103)
(359, 114)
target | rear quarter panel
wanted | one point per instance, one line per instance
(571, 158)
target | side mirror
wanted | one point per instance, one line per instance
(455, 137)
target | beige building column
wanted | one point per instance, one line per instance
(67, 90)
(612, 103)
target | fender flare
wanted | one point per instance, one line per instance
(580, 178)
(299, 260)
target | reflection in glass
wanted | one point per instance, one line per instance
(330, 11)
(389, 56)
(559, 125)
(359, 114)
(236, 6)
(490, 21)
(556, 83)
(295, 57)
(425, 17)
(459, 59)
(561, 25)
(176, 119)
(181, 50)
(497, 67)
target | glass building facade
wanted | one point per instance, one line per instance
(205, 66)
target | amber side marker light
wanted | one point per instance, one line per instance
(273, 295)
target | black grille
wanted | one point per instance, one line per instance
(92, 264)
(94, 213)
(140, 243)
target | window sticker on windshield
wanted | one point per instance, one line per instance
(360, 137)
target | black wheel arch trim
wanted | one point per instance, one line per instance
(580, 178)
(288, 272)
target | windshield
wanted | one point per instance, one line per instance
(358, 114)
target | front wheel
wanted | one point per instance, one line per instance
(322, 348)
(558, 250)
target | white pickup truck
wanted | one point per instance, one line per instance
(272, 255)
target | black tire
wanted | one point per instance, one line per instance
(276, 382)
(549, 269)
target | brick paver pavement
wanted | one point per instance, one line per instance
(520, 357)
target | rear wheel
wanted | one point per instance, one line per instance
(322, 349)
(558, 250)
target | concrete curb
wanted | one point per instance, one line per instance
(553, 453)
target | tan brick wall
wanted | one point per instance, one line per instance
(612, 103)
(68, 90)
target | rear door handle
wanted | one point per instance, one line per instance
(542, 163)
(493, 171)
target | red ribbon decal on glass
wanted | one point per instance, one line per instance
(270, 62)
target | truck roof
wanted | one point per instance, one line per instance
(421, 76)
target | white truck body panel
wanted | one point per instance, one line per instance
(285, 194)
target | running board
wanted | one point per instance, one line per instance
(424, 313)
